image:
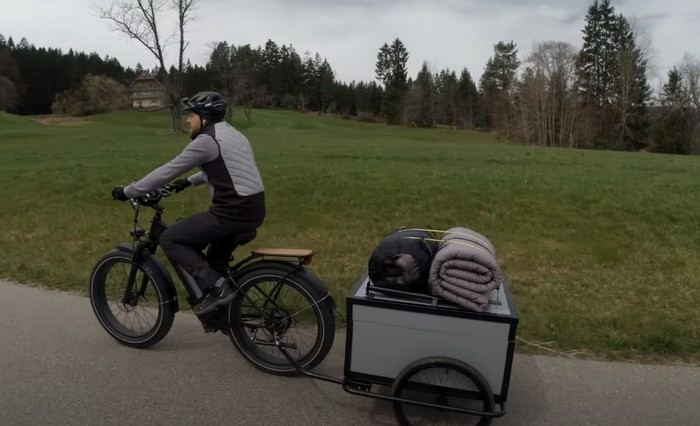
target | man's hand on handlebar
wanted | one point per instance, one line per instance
(179, 185)
(118, 194)
(151, 198)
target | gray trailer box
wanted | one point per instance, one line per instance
(386, 332)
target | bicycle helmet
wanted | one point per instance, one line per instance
(208, 105)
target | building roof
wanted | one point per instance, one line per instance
(147, 77)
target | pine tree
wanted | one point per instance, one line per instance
(368, 98)
(420, 110)
(631, 91)
(248, 82)
(271, 72)
(595, 72)
(345, 99)
(391, 70)
(446, 88)
(309, 75)
(467, 100)
(39, 74)
(499, 75)
(325, 84)
(672, 132)
(290, 72)
(497, 84)
(375, 95)
(596, 62)
(612, 85)
(391, 64)
(673, 95)
(221, 68)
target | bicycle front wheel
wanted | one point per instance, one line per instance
(139, 316)
(296, 311)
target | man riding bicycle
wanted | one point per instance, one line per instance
(226, 162)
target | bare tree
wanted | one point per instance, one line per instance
(96, 94)
(139, 20)
(631, 89)
(690, 77)
(530, 90)
(644, 43)
(548, 107)
(626, 66)
(690, 73)
(249, 94)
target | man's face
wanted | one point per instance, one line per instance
(195, 124)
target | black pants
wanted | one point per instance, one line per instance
(184, 241)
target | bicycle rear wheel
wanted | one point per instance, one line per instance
(137, 318)
(296, 311)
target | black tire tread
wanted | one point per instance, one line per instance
(415, 367)
(317, 291)
(158, 280)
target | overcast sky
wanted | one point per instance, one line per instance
(447, 33)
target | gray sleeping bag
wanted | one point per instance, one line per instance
(464, 270)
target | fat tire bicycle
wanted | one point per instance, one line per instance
(278, 303)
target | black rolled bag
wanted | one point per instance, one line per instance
(402, 261)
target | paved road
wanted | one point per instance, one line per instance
(58, 367)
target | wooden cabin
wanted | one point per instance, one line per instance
(147, 93)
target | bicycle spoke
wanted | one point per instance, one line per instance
(311, 306)
(150, 313)
(132, 313)
(282, 308)
(138, 319)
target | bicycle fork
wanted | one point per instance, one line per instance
(130, 297)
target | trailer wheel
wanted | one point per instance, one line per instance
(447, 382)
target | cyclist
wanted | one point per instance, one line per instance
(226, 162)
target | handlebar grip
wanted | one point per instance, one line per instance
(153, 197)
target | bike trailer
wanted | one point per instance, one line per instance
(389, 329)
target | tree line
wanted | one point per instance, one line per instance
(31, 77)
(597, 96)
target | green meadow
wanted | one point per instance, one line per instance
(600, 247)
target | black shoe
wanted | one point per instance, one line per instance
(218, 295)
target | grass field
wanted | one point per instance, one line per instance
(600, 247)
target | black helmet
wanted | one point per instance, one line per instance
(209, 105)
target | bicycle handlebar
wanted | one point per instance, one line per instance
(152, 198)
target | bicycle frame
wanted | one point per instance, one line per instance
(148, 242)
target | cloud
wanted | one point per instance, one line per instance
(446, 33)
(654, 17)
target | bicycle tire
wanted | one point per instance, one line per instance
(107, 319)
(246, 340)
(415, 368)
